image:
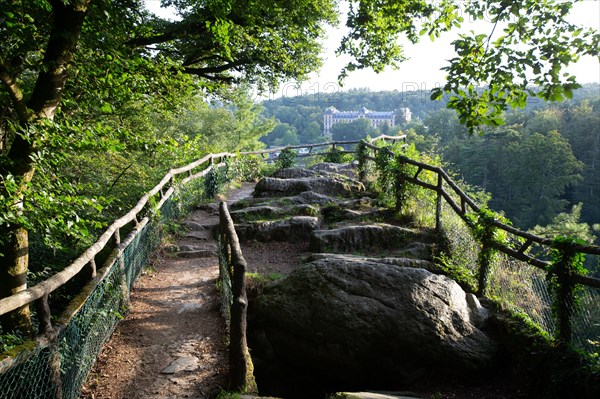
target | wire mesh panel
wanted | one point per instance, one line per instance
(586, 315)
(522, 288)
(80, 342)
(30, 376)
(225, 286)
(136, 255)
(60, 369)
(463, 249)
(169, 210)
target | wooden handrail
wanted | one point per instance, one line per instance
(52, 283)
(590, 249)
(528, 237)
(332, 143)
(240, 363)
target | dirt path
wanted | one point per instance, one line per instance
(172, 342)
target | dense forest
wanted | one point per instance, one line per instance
(542, 162)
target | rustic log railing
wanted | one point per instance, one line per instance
(234, 265)
(46, 287)
(332, 144)
(463, 205)
(48, 359)
(56, 363)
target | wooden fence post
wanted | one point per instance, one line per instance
(91, 271)
(44, 315)
(565, 298)
(240, 364)
(438, 205)
(362, 161)
(399, 190)
(486, 255)
(117, 237)
(484, 270)
(123, 272)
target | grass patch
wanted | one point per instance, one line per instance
(256, 282)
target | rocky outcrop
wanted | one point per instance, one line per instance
(295, 173)
(275, 187)
(348, 170)
(293, 228)
(390, 261)
(360, 322)
(362, 237)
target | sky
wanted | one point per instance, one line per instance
(422, 70)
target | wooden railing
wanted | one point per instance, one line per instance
(39, 293)
(463, 205)
(240, 364)
(86, 262)
(332, 144)
(89, 318)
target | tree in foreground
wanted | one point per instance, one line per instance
(75, 71)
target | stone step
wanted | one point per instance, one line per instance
(185, 247)
(388, 260)
(200, 253)
(200, 235)
(292, 229)
(360, 237)
(211, 208)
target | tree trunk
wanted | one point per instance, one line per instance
(13, 277)
(42, 105)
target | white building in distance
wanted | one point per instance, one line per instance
(377, 118)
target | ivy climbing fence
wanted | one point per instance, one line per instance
(57, 362)
(542, 279)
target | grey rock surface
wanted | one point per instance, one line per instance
(295, 173)
(393, 261)
(293, 228)
(274, 187)
(359, 237)
(254, 212)
(366, 322)
(184, 363)
(348, 170)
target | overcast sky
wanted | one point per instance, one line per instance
(422, 70)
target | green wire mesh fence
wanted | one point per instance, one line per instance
(586, 319)
(81, 341)
(224, 282)
(58, 368)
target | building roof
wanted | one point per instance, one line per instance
(355, 114)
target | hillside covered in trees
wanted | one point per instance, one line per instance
(542, 162)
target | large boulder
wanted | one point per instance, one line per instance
(294, 173)
(364, 323)
(275, 187)
(363, 237)
(295, 228)
(347, 169)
